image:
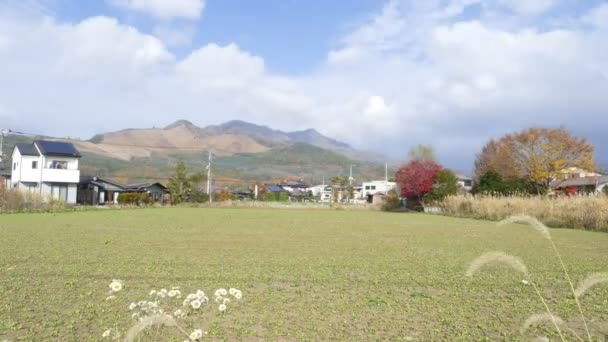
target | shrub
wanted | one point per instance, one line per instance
(392, 201)
(445, 184)
(134, 198)
(270, 197)
(283, 197)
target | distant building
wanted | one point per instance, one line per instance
(369, 189)
(98, 190)
(49, 168)
(156, 191)
(465, 182)
(587, 185)
(322, 192)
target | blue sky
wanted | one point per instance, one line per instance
(379, 75)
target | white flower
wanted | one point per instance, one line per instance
(219, 299)
(173, 293)
(195, 304)
(152, 293)
(115, 285)
(238, 295)
(205, 300)
(106, 333)
(134, 315)
(226, 300)
(110, 297)
(221, 292)
(525, 282)
(200, 294)
(132, 306)
(178, 313)
(186, 302)
(222, 307)
(191, 296)
(196, 335)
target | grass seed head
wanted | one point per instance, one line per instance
(540, 318)
(492, 257)
(589, 282)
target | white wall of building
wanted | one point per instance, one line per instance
(373, 187)
(46, 176)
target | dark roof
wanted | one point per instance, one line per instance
(582, 181)
(57, 148)
(27, 149)
(104, 183)
(274, 188)
(144, 186)
(295, 184)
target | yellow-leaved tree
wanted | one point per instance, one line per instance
(540, 155)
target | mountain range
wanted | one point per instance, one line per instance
(242, 152)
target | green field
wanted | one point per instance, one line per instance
(305, 275)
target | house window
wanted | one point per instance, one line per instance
(373, 187)
(34, 164)
(367, 187)
(14, 166)
(58, 164)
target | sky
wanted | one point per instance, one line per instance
(379, 75)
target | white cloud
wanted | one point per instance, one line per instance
(163, 9)
(414, 73)
(173, 35)
(598, 17)
(529, 7)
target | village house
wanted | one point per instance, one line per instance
(376, 188)
(465, 182)
(582, 185)
(49, 168)
(156, 191)
(99, 190)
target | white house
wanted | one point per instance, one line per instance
(322, 192)
(49, 168)
(376, 188)
(465, 182)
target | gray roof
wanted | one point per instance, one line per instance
(144, 186)
(582, 181)
(27, 149)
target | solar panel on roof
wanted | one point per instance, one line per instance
(57, 148)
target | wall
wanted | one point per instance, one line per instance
(28, 174)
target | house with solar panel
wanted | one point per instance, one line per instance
(49, 168)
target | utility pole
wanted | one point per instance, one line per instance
(209, 184)
(2, 143)
(386, 173)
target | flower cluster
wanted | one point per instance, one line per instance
(195, 300)
(221, 297)
(165, 304)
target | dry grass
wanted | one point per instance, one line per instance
(15, 201)
(588, 213)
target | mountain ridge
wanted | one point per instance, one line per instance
(228, 138)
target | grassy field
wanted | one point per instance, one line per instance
(305, 275)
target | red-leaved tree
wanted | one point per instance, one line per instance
(416, 178)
